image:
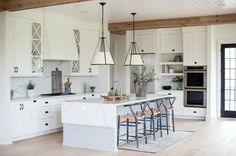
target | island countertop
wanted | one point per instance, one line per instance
(92, 123)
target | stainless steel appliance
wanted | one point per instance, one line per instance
(195, 86)
(195, 77)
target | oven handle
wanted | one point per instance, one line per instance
(187, 71)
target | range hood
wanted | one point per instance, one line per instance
(59, 42)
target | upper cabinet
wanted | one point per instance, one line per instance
(26, 47)
(195, 46)
(59, 42)
(171, 40)
(146, 40)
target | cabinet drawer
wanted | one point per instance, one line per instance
(45, 112)
(46, 124)
(198, 112)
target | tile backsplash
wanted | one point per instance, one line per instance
(43, 83)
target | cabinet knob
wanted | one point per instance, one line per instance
(46, 112)
(169, 93)
(92, 94)
(195, 62)
(84, 98)
(173, 49)
(142, 50)
(35, 101)
(46, 102)
(46, 124)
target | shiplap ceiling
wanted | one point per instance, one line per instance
(119, 10)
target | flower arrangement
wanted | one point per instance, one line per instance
(142, 77)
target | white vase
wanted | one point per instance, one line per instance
(30, 93)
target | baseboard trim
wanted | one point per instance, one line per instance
(5, 140)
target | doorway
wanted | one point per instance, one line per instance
(228, 80)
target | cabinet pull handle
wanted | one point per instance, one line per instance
(20, 107)
(23, 107)
(46, 102)
(46, 124)
(14, 69)
(46, 112)
(90, 70)
(17, 69)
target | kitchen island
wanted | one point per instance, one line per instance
(92, 123)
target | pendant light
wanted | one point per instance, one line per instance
(133, 57)
(102, 54)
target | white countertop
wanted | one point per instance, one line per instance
(131, 100)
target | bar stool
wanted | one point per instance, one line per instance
(167, 111)
(153, 116)
(134, 119)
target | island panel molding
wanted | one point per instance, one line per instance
(15, 5)
(121, 27)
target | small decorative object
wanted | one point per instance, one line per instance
(178, 58)
(92, 88)
(67, 86)
(171, 70)
(166, 69)
(166, 87)
(30, 89)
(141, 79)
(111, 92)
(12, 94)
(179, 81)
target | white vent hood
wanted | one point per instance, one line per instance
(59, 42)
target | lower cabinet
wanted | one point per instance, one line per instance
(179, 109)
(21, 118)
(36, 117)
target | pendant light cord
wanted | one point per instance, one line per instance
(133, 26)
(102, 4)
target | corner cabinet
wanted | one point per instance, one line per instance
(195, 46)
(26, 47)
(85, 42)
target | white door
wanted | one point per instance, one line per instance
(21, 118)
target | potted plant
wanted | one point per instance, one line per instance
(142, 77)
(30, 89)
(179, 81)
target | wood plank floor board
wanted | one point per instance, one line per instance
(217, 138)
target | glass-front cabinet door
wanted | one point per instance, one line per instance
(76, 63)
(36, 48)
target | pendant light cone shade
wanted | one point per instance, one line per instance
(102, 54)
(133, 57)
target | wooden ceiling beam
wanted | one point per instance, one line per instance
(15, 5)
(2, 5)
(175, 22)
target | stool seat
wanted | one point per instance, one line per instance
(130, 117)
(149, 112)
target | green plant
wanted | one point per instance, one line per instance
(177, 79)
(30, 85)
(142, 76)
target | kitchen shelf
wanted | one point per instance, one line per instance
(172, 74)
(171, 63)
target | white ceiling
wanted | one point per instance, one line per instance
(119, 10)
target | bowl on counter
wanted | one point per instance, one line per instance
(166, 87)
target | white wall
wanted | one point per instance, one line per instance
(223, 34)
(4, 84)
(119, 52)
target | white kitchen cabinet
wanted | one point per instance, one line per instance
(26, 51)
(171, 40)
(195, 112)
(179, 102)
(21, 118)
(88, 43)
(195, 46)
(59, 42)
(146, 40)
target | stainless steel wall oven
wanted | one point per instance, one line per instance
(195, 86)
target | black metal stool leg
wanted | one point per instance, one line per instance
(136, 133)
(127, 130)
(153, 122)
(173, 120)
(145, 130)
(118, 130)
(167, 123)
(160, 126)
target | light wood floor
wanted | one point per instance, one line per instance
(217, 138)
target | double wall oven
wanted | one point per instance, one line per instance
(195, 86)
